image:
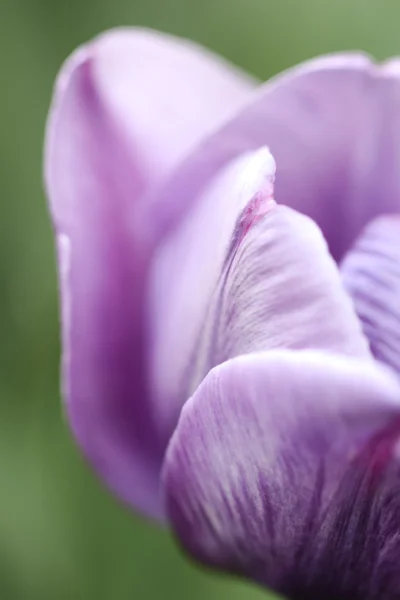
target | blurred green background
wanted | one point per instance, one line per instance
(61, 535)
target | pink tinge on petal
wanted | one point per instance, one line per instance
(261, 203)
(380, 451)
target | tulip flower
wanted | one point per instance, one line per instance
(231, 336)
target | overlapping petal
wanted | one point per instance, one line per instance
(254, 470)
(185, 274)
(156, 289)
(282, 289)
(279, 288)
(371, 275)
(332, 125)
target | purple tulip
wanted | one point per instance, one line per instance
(223, 369)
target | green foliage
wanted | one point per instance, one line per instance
(61, 535)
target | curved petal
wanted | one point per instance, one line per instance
(185, 273)
(163, 94)
(91, 183)
(242, 275)
(332, 126)
(280, 288)
(126, 108)
(371, 275)
(254, 472)
(166, 92)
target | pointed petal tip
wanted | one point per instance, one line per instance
(262, 161)
(391, 68)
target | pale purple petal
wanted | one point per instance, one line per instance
(255, 470)
(279, 288)
(126, 108)
(186, 271)
(333, 126)
(92, 182)
(371, 275)
(167, 93)
(163, 93)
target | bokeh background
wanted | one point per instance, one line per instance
(62, 537)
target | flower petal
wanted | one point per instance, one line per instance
(280, 288)
(164, 94)
(332, 126)
(371, 275)
(91, 183)
(186, 270)
(126, 108)
(239, 276)
(259, 454)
